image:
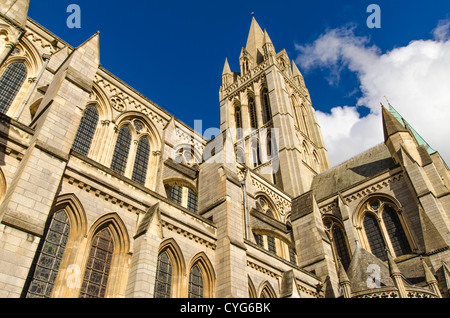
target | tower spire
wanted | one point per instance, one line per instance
(255, 40)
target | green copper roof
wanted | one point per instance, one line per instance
(416, 135)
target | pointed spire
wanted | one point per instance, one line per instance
(16, 10)
(413, 132)
(267, 39)
(255, 40)
(390, 124)
(226, 68)
(430, 279)
(295, 71)
(268, 47)
(396, 275)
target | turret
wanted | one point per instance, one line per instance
(227, 75)
(268, 47)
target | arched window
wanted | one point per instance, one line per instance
(271, 245)
(339, 240)
(238, 118)
(266, 106)
(315, 159)
(340, 243)
(240, 154)
(375, 237)
(50, 252)
(195, 282)
(141, 161)
(272, 149)
(252, 110)
(98, 265)
(10, 84)
(395, 231)
(192, 203)
(256, 154)
(182, 195)
(305, 153)
(259, 240)
(384, 228)
(121, 151)
(304, 119)
(163, 284)
(86, 131)
(176, 194)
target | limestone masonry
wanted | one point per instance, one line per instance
(105, 194)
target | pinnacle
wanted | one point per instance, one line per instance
(390, 124)
(226, 68)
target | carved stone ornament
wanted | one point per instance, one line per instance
(118, 104)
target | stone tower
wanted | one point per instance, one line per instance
(268, 104)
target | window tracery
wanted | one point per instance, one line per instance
(384, 228)
(11, 82)
(86, 131)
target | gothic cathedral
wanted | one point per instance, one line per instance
(104, 194)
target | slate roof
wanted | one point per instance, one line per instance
(357, 169)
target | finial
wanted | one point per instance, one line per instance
(253, 14)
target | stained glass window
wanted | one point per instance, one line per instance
(375, 237)
(138, 126)
(341, 246)
(395, 231)
(195, 283)
(259, 240)
(98, 266)
(176, 194)
(238, 117)
(120, 157)
(192, 201)
(86, 131)
(252, 110)
(271, 244)
(266, 104)
(50, 256)
(141, 161)
(10, 84)
(163, 276)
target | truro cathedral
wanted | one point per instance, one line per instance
(104, 194)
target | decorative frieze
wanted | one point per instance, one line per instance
(120, 101)
(189, 235)
(373, 188)
(262, 269)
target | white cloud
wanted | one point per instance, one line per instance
(415, 78)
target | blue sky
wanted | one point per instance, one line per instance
(173, 51)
